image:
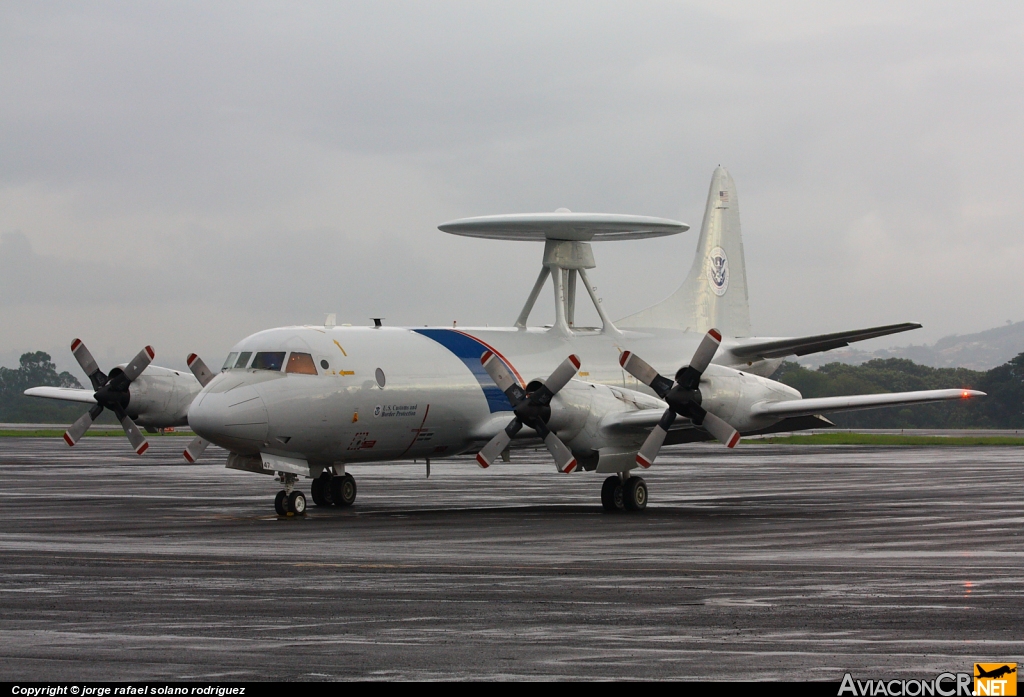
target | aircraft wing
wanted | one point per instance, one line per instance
(68, 394)
(806, 407)
(801, 346)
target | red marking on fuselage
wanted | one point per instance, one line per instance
(497, 353)
(417, 431)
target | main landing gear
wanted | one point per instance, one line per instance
(624, 493)
(334, 490)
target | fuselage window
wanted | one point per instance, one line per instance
(301, 363)
(230, 362)
(379, 374)
(325, 365)
(243, 359)
(268, 360)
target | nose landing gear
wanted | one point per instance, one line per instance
(624, 493)
(289, 501)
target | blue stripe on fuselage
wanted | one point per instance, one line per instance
(469, 350)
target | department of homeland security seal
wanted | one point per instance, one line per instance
(718, 271)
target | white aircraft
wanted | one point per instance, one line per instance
(307, 401)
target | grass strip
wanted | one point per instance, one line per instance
(89, 434)
(882, 439)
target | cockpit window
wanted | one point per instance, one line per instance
(268, 360)
(230, 362)
(243, 359)
(301, 363)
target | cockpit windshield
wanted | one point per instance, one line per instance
(230, 362)
(268, 360)
(243, 359)
(301, 363)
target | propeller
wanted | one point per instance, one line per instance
(111, 393)
(203, 374)
(683, 396)
(532, 409)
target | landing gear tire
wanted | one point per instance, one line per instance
(611, 494)
(320, 490)
(343, 490)
(281, 502)
(297, 503)
(634, 494)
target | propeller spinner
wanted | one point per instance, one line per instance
(531, 409)
(111, 393)
(682, 395)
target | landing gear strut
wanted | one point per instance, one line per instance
(623, 492)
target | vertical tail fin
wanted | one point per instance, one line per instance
(714, 294)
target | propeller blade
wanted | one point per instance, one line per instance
(562, 374)
(642, 371)
(195, 449)
(564, 460)
(490, 452)
(138, 441)
(496, 368)
(88, 363)
(652, 446)
(721, 430)
(689, 376)
(199, 369)
(139, 363)
(706, 351)
(78, 429)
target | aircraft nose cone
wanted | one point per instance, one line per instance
(236, 419)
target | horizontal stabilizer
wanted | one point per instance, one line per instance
(797, 407)
(801, 346)
(68, 394)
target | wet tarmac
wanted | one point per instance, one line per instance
(767, 562)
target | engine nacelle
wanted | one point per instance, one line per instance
(160, 397)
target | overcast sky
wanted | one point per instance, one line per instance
(183, 175)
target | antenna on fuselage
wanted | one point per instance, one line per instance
(567, 252)
(378, 322)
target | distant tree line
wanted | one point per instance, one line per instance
(35, 370)
(1002, 408)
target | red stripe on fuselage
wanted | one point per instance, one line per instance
(497, 353)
